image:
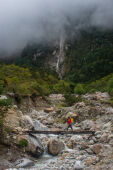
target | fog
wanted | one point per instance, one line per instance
(26, 21)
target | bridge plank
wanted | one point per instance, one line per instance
(61, 132)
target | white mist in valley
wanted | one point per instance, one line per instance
(25, 21)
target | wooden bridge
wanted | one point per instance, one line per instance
(61, 132)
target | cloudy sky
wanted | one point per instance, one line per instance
(24, 21)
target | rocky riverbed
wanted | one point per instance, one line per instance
(63, 152)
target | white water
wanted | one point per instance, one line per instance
(39, 126)
(61, 52)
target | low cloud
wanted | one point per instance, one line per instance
(25, 21)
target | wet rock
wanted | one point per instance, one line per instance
(24, 163)
(107, 126)
(96, 148)
(26, 122)
(34, 145)
(105, 138)
(91, 142)
(73, 141)
(78, 165)
(109, 110)
(111, 139)
(55, 146)
(77, 138)
(91, 160)
(89, 151)
(84, 145)
(71, 145)
(38, 125)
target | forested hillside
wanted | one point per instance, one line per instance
(91, 57)
(88, 67)
(88, 57)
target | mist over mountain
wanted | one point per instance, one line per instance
(26, 21)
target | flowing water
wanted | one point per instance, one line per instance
(61, 52)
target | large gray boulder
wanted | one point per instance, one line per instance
(55, 146)
(87, 124)
(26, 122)
(34, 146)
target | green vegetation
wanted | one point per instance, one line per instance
(6, 102)
(23, 143)
(25, 82)
(90, 57)
(79, 89)
(62, 104)
(1, 88)
(1, 122)
(62, 87)
(7, 130)
(110, 86)
(88, 68)
(103, 85)
(71, 99)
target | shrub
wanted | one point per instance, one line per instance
(23, 143)
(1, 122)
(1, 89)
(42, 89)
(6, 102)
(71, 99)
(79, 89)
(8, 130)
(62, 104)
(110, 86)
(62, 87)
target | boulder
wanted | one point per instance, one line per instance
(77, 138)
(79, 105)
(50, 121)
(38, 125)
(109, 110)
(55, 146)
(73, 141)
(11, 122)
(107, 126)
(87, 124)
(105, 138)
(26, 122)
(34, 146)
(3, 97)
(96, 148)
(84, 145)
(91, 160)
(78, 165)
(48, 110)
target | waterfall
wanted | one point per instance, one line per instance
(60, 56)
